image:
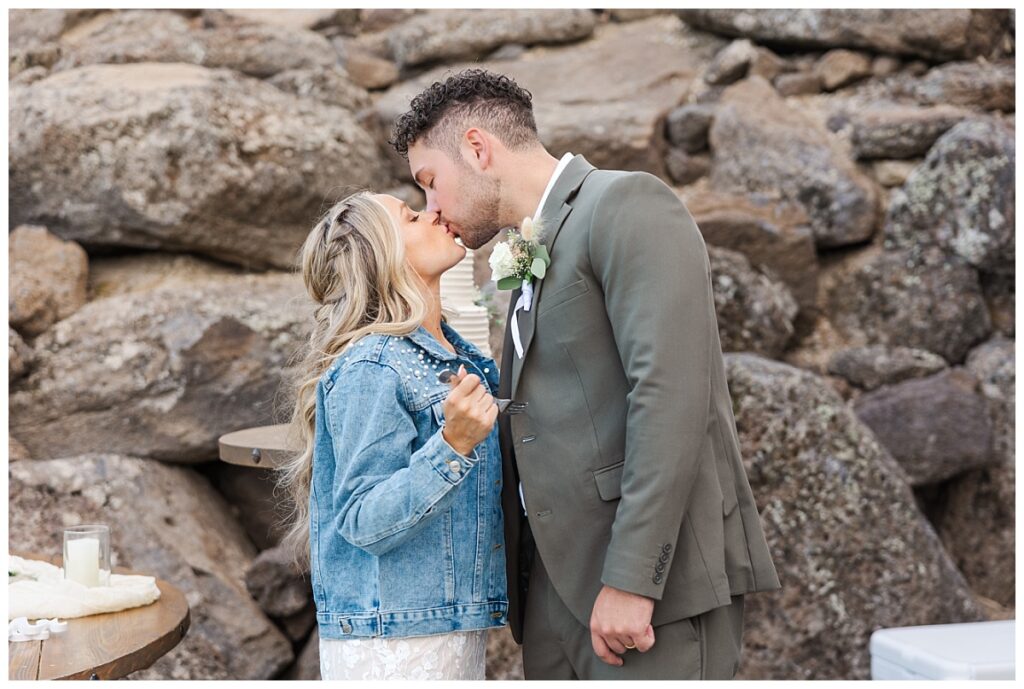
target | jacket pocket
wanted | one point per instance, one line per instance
(609, 481)
(559, 297)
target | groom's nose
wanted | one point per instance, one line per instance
(432, 206)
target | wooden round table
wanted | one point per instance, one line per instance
(105, 646)
(264, 447)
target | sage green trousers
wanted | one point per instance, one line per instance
(556, 646)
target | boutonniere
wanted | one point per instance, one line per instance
(520, 258)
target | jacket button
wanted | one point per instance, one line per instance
(660, 567)
(666, 548)
(346, 627)
(496, 615)
(657, 578)
(663, 558)
(455, 466)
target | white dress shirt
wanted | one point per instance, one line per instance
(536, 216)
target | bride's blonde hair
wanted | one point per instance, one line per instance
(354, 267)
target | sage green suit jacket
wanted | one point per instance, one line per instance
(628, 452)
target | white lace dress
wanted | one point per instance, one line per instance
(455, 655)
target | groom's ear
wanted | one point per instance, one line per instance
(478, 148)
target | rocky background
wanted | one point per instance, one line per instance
(852, 172)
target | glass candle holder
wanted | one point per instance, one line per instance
(87, 554)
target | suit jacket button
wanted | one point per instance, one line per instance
(663, 558)
(666, 548)
(657, 578)
(660, 567)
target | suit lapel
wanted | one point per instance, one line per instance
(555, 212)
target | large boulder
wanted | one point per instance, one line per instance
(163, 373)
(962, 197)
(976, 85)
(936, 427)
(166, 522)
(257, 49)
(762, 144)
(930, 33)
(449, 35)
(652, 62)
(853, 551)
(755, 313)
(179, 157)
(47, 279)
(925, 299)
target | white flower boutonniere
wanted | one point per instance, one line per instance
(520, 258)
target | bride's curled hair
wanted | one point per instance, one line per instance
(353, 266)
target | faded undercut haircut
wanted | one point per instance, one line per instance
(442, 112)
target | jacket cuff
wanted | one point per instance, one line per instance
(446, 460)
(644, 576)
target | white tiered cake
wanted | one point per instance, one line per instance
(458, 293)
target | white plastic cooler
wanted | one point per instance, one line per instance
(973, 650)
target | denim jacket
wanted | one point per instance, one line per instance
(406, 534)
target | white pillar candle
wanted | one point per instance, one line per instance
(82, 561)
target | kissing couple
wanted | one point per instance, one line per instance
(604, 514)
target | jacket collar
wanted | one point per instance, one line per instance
(462, 346)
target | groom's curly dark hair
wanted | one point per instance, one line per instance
(473, 97)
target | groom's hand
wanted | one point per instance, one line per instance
(620, 618)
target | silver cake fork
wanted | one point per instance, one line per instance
(504, 406)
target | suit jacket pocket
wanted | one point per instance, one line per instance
(609, 481)
(560, 296)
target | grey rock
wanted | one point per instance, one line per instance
(731, 63)
(256, 49)
(279, 587)
(798, 84)
(466, 34)
(930, 33)
(687, 126)
(47, 279)
(961, 197)
(196, 150)
(936, 427)
(761, 144)
(19, 355)
(823, 486)
(925, 300)
(873, 366)
(162, 373)
(978, 528)
(775, 238)
(686, 168)
(993, 364)
(840, 67)
(329, 85)
(980, 86)
(999, 291)
(755, 312)
(166, 522)
(901, 131)
(365, 69)
(307, 667)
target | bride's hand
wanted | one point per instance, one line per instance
(469, 412)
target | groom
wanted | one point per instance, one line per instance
(630, 527)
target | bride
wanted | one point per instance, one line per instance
(397, 488)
